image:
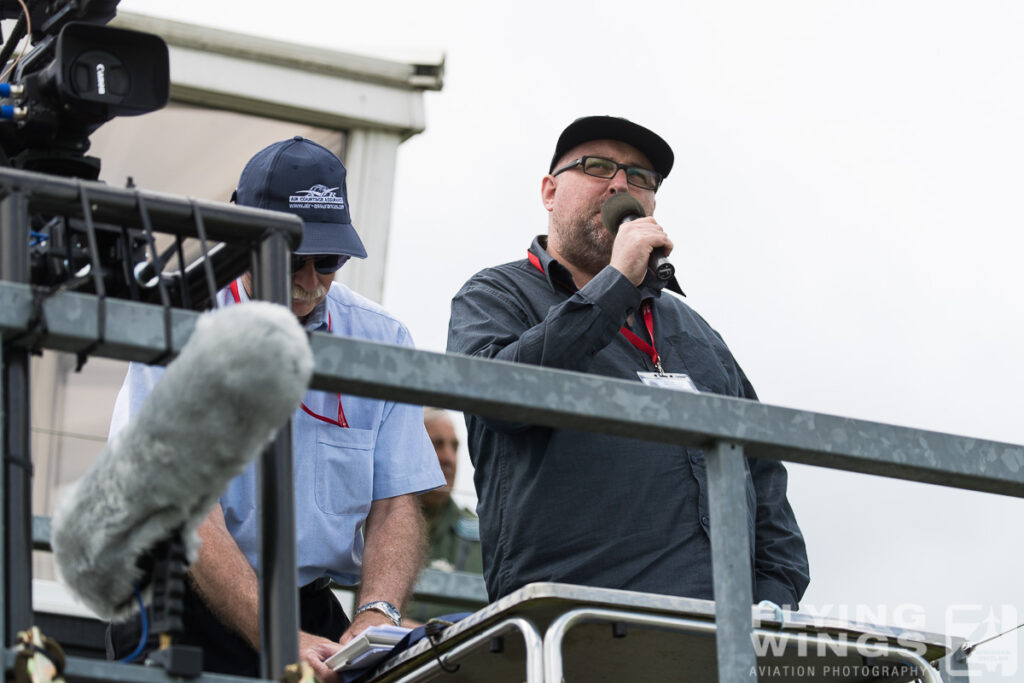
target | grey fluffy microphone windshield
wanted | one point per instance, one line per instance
(236, 382)
(622, 207)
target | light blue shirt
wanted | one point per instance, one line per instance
(384, 451)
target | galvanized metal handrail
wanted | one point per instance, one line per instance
(560, 398)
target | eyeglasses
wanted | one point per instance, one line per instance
(324, 263)
(599, 167)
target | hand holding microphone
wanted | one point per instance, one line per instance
(622, 208)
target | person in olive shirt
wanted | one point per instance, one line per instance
(453, 532)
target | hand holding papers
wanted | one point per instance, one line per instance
(368, 647)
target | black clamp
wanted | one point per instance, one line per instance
(169, 569)
(35, 326)
(39, 658)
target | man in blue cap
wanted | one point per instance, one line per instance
(359, 462)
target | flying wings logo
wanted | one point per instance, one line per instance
(317, 197)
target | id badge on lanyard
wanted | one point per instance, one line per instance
(667, 380)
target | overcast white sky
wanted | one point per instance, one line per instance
(846, 205)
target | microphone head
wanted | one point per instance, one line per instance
(619, 208)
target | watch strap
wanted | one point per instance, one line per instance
(385, 608)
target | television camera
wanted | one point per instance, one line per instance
(79, 74)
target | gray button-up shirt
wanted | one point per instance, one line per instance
(598, 510)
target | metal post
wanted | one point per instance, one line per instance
(3, 487)
(279, 609)
(17, 455)
(730, 556)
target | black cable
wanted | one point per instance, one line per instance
(124, 251)
(968, 648)
(186, 299)
(211, 283)
(165, 299)
(34, 649)
(23, 463)
(97, 278)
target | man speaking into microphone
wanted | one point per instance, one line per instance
(592, 509)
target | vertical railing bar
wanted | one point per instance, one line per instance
(16, 450)
(4, 643)
(731, 566)
(278, 572)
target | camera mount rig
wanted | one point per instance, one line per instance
(78, 75)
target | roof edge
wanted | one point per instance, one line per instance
(422, 74)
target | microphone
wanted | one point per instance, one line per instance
(622, 207)
(239, 378)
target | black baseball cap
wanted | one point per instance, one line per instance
(301, 177)
(615, 128)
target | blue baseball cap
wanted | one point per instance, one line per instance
(301, 177)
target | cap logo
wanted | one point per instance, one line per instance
(317, 197)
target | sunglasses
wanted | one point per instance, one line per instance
(324, 263)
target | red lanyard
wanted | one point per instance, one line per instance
(640, 343)
(647, 349)
(341, 421)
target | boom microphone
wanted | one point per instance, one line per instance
(236, 382)
(622, 207)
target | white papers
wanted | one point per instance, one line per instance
(368, 647)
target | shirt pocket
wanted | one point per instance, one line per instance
(703, 362)
(344, 470)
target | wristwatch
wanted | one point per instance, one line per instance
(385, 608)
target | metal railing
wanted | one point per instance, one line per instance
(728, 428)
